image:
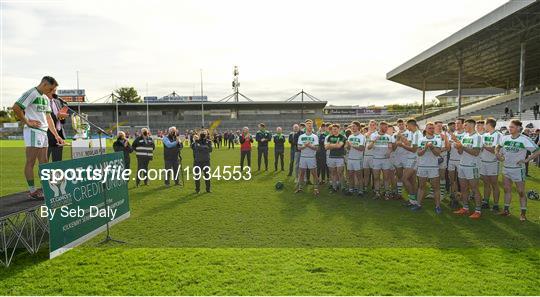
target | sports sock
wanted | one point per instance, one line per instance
(443, 190)
(478, 209)
(523, 211)
(507, 207)
(31, 185)
(466, 206)
(399, 187)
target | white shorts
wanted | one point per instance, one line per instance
(468, 172)
(489, 168)
(354, 165)
(307, 163)
(429, 172)
(35, 138)
(383, 164)
(453, 165)
(335, 162)
(516, 174)
(409, 163)
(368, 162)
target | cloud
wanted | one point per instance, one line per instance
(338, 51)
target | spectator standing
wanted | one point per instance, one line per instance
(245, 147)
(59, 118)
(172, 147)
(279, 149)
(122, 145)
(262, 137)
(202, 147)
(144, 147)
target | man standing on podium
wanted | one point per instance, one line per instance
(34, 110)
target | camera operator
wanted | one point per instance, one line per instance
(202, 147)
(144, 150)
(172, 145)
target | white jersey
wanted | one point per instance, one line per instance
(369, 152)
(356, 141)
(454, 155)
(516, 149)
(381, 148)
(428, 159)
(414, 139)
(470, 141)
(36, 106)
(308, 138)
(490, 140)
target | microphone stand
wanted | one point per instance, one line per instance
(100, 132)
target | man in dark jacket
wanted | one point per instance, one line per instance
(59, 118)
(144, 147)
(262, 137)
(293, 148)
(279, 148)
(122, 145)
(171, 155)
(322, 169)
(202, 147)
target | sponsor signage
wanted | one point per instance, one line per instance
(76, 209)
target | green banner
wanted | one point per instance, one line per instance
(75, 198)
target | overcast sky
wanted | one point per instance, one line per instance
(338, 51)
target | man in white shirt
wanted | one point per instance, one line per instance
(33, 109)
(512, 151)
(308, 144)
(382, 145)
(468, 172)
(429, 150)
(489, 164)
(356, 144)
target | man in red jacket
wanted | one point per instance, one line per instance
(245, 147)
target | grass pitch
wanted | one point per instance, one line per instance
(247, 238)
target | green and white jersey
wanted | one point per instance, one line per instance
(382, 141)
(308, 138)
(515, 149)
(414, 139)
(471, 141)
(356, 141)
(490, 140)
(439, 136)
(428, 159)
(35, 106)
(454, 155)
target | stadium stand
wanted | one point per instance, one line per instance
(487, 107)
